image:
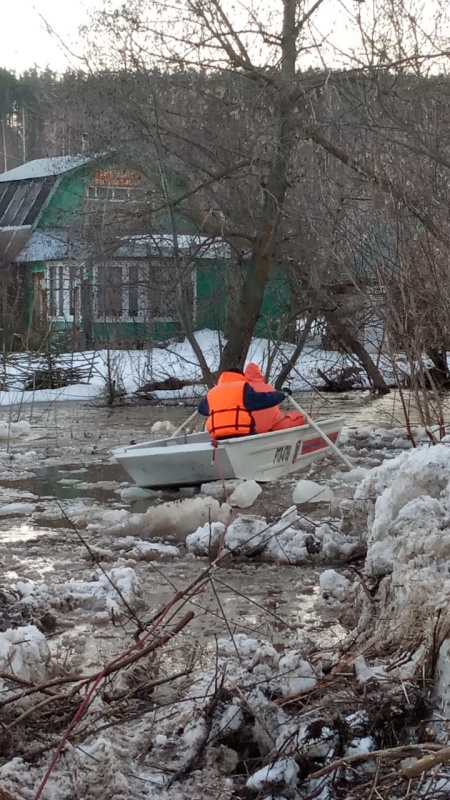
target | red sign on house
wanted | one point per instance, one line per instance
(115, 178)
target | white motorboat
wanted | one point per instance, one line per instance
(191, 459)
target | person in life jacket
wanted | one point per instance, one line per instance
(231, 404)
(270, 419)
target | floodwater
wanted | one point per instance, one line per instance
(65, 463)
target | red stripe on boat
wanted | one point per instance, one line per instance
(311, 445)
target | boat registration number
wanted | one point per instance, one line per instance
(282, 454)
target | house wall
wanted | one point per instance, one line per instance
(65, 209)
(65, 205)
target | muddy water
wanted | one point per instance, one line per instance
(67, 458)
(73, 442)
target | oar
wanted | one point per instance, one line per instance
(186, 422)
(323, 435)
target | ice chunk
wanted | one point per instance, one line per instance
(25, 653)
(163, 426)
(216, 488)
(334, 585)
(311, 492)
(245, 494)
(283, 772)
(16, 508)
(247, 535)
(205, 540)
(177, 518)
(142, 550)
(130, 493)
(295, 674)
(13, 430)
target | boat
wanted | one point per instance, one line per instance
(191, 459)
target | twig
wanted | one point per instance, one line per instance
(393, 753)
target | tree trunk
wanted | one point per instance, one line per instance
(353, 345)
(290, 364)
(439, 358)
(248, 308)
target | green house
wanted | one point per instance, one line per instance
(92, 261)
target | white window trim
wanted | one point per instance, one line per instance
(55, 267)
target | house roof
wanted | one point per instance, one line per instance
(24, 192)
(53, 244)
(20, 205)
(162, 245)
(43, 168)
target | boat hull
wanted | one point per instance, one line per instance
(190, 460)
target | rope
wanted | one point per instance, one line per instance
(216, 460)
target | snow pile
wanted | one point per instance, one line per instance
(292, 539)
(132, 368)
(403, 507)
(24, 653)
(408, 503)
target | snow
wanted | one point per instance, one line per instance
(284, 771)
(245, 494)
(408, 502)
(311, 492)
(44, 167)
(133, 368)
(295, 674)
(24, 652)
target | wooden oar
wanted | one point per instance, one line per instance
(186, 422)
(323, 435)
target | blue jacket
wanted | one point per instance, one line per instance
(253, 401)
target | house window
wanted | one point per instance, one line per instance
(140, 291)
(110, 291)
(133, 291)
(63, 282)
(117, 193)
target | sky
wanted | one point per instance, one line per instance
(26, 43)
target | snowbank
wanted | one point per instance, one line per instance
(131, 369)
(403, 509)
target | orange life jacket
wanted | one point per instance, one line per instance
(227, 413)
(266, 419)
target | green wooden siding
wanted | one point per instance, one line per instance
(65, 206)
